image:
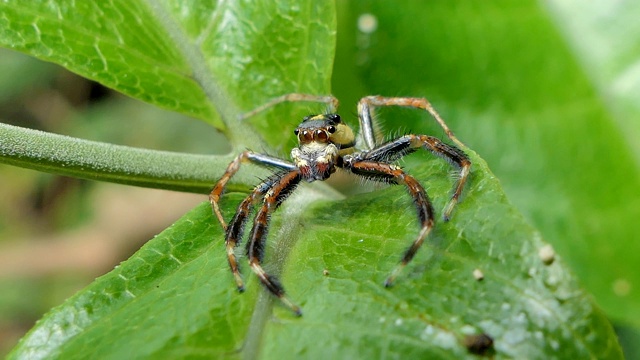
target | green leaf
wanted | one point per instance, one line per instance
(103, 41)
(177, 56)
(512, 87)
(175, 297)
(199, 58)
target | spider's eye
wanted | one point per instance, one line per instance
(331, 129)
(335, 117)
(321, 135)
(306, 137)
(296, 132)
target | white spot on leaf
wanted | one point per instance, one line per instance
(367, 23)
(621, 287)
(547, 254)
(478, 275)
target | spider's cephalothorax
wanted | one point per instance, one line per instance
(325, 144)
(321, 137)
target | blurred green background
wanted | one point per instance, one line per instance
(546, 92)
(57, 233)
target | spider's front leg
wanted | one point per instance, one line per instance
(384, 172)
(280, 188)
(233, 233)
(234, 166)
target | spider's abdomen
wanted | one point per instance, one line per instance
(316, 161)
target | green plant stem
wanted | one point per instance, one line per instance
(64, 155)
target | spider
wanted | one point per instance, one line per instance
(325, 145)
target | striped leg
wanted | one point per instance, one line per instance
(407, 144)
(280, 189)
(391, 173)
(236, 229)
(234, 166)
(452, 155)
(367, 104)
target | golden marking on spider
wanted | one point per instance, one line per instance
(326, 144)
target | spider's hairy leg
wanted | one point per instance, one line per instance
(390, 173)
(234, 166)
(452, 155)
(236, 229)
(394, 150)
(331, 101)
(280, 189)
(366, 105)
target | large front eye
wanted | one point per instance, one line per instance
(321, 135)
(307, 136)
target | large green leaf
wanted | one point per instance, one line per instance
(175, 297)
(200, 58)
(513, 89)
(194, 58)
(103, 41)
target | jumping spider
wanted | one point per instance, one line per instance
(326, 144)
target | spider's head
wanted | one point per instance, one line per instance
(320, 137)
(325, 129)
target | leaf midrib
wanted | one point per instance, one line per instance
(195, 59)
(293, 211)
